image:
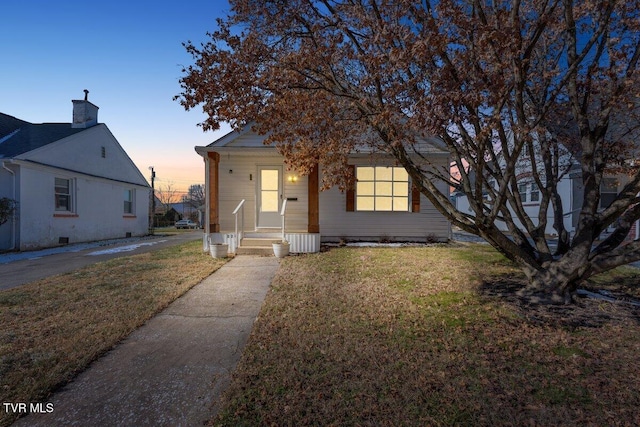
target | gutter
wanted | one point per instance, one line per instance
(13, 216)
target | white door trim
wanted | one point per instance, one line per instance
(269, 218)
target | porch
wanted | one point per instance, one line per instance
(256, 202)
(259, 243)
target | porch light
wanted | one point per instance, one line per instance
(292, 178)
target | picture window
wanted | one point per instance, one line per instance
(382, 188)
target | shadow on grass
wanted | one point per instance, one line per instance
(586, 311)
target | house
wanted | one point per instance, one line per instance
(186, 210)
(571, 192)
(166, 214)
(250, 194)
(73, 182)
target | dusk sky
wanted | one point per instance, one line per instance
(129, 55)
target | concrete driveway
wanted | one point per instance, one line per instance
(19, 268)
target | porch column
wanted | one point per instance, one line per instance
(214, 220)
(314, 201)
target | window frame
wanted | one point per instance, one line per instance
(522, 190)
(607, 184)
(383, 199)
(535, 191)
(68, 193)
(129, 198)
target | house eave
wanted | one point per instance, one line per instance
(239, 151)
(26, 162)
(271, 151)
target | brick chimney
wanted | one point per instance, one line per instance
(85, 114)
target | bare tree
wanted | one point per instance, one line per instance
(167, 194)
(195, 196)
(506, 85)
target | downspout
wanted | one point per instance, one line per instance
(13, 216)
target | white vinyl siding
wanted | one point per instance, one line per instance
(336, 223)
(238, 180)
(237, 176)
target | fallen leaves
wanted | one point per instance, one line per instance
(409, 337)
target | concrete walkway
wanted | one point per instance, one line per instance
(171, 371)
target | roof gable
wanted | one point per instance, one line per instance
(94, 151)
(244, 137)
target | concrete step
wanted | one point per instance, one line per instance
(258, 241)
(255, 250)
(262, 234)
(256, 246)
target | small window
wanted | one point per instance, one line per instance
(382, 189)
(103, 152)
(535, 192)
(522, 189)
(128, 201)
(63, 194)
(608, 192)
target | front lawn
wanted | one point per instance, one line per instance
(431, 336)
(53, 328)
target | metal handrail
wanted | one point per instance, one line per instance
(240, 208)
(282, 212)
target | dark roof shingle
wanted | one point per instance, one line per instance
(18, 136)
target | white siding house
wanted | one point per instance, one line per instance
(571, 192)
(73, 182)
(382, 206)
(568, 188)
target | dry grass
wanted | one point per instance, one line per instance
(53, 328)
(388, 337)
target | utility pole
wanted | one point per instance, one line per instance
(152, 217)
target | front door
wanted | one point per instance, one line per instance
(269, 197)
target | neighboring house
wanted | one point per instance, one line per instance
(73, 182)
(168, 213)
(382, 206)
(569, 189)
(186, 211)
(571, 193)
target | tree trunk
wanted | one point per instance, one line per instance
(555, 284)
